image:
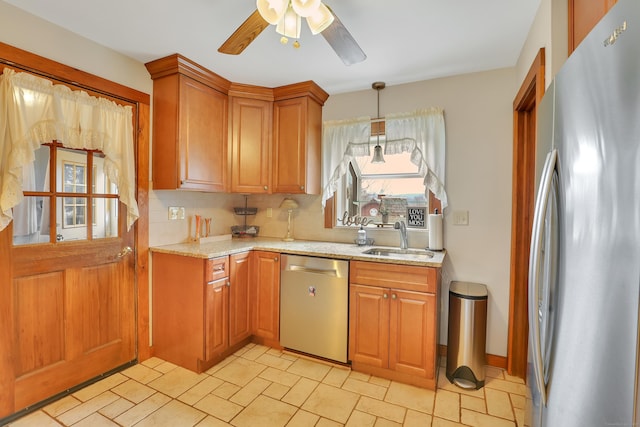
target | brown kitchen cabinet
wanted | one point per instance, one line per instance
(265, 298)
(297, 138)
(583, 16)
(393, 321)
(190, 126)
(198, 313)
(250, 148)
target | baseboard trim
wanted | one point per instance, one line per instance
(492, 359)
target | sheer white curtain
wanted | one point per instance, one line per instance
(34, 111)
(421, 133)
(341, 141)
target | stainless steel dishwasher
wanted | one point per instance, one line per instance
(314, 306)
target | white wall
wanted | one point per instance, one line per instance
(478, 115)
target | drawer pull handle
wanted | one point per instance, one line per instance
(219, 267)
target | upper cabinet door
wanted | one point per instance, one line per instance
(583, 16)
(250, 156)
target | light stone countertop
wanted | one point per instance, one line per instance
(348, 251)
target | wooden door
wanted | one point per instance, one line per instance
(239, 314)
(265, 297)
(412, 333)
(216, 318)
(369, 325)
(250, 145)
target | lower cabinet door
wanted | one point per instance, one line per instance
(412, 333)
(239, 314)
(216, 310)
(266, 295)
(369, 325)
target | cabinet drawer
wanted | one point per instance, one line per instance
(216, 268)
(408, 277)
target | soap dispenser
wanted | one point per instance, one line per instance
(362, 236)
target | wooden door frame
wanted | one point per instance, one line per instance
(523, 198)
(20, 59)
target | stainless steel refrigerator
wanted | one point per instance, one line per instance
(584, 269)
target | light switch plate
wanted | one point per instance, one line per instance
(460, 217)
(176, 212)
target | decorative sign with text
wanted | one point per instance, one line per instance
(417, 217)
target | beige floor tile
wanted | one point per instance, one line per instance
(331, 402)
(482, 420)
(133, 391)
(512, 378)
(378, 408)
(176, 381)
(226, 390)
(200, 390)
(473, 403)
(165, 367)
(276, 391)
(87, 408)
(210, 421)
(35, 419)
(173, 414)
(381, 422)
(116, 408)
(359, 376)
(300, 392)
(365, 388)
(416, 398)
(218, 407)
(222, 364)
(244, 349)
(96, 420)
(99, 387)
(249, 392)
(280, 377)
(416, 419)
(336, 376)
(303, 419)
(518, 401)
(380, 381)
(508, 386)
(152, 362)
(361, 419)
(265, 412)
(274, 361)
(142, 373)
(289, 356)
(142, 409)
(519, 417)
(274, 352)
(255, 352)
(447, 405)
(323, 422)
(439, 422)
(499, 404)
(307, 368)
(493, 372)
(61, 406)
(240, 371)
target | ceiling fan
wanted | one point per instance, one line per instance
(286, 15)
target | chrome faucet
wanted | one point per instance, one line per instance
(399, 225)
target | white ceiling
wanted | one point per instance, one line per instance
(405, 40)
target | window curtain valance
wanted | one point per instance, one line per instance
(33, 111)
(341, 141)
(421, 133)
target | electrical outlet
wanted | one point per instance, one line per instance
(176, 212)
(269, 212)
(460, 217)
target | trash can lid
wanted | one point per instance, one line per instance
(468, 290)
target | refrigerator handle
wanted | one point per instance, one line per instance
(542, 200)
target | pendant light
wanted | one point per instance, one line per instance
(377, 150)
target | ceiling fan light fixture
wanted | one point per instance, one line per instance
(319, 20)
(289, 25)
(272, 10)
(305, 8)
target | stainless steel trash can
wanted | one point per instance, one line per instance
(466, 344)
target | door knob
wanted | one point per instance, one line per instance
(124, 252)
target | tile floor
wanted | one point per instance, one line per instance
(259, 386)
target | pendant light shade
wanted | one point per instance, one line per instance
(305, 8)
(377, 154)
(377, 150)
(289, 25)
(272, 11)
(319, 20)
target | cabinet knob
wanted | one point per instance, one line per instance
(229, 283)
(302, 187)
(275, 259)
(265, 188)
(393, 296)
(385, 296)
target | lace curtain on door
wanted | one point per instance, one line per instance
(421, 133)
(34, 111)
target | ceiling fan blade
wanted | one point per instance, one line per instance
(343, 42)
(244, 35)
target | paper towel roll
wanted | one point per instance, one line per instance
(435, 232)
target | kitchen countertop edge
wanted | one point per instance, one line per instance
(335, 250)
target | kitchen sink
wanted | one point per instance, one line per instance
(394, 251)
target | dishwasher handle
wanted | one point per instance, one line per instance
(303, 269)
